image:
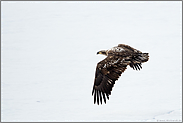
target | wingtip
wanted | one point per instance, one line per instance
(94, 97)
(97, 97)
(108, 97)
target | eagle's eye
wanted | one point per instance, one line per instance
(100, 52)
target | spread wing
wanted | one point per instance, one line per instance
(107, 72)
(136, 56)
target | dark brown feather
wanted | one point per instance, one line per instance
(94, 96)
(107, 72)
(104, 97)
(100, 96)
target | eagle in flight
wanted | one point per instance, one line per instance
(111, 68)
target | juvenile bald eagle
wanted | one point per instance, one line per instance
(111, 68)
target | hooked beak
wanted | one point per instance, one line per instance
(99, 52)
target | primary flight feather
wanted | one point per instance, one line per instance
(111, 68)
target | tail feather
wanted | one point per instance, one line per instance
(144, 57)
(136, 61)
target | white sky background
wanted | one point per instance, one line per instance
(49, 58)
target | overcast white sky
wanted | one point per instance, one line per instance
(49, 60)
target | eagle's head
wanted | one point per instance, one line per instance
(103, 52)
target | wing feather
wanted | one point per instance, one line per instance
(127, 47)
(94, 95)
(100, 96)
(107, 72)
(104, 97)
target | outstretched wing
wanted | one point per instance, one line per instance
(136, 56)
(107, 72)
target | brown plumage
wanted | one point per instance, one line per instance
(111, 68)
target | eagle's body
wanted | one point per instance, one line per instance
(111, 68)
